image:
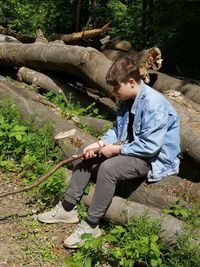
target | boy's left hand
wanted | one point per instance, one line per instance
(110, 150)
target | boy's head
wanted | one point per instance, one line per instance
(124, 77)
(121, 71)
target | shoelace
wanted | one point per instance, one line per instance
(55, 210)
(79, 230)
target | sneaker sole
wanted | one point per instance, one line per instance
(76, 220)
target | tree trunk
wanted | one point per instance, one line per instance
(190, 125)
(162, 194)
(78, 13)
(163, 82)
(20, 37)
(87, 63)
(121, 211)
(78, 36)
(76, 93)
(30, 103)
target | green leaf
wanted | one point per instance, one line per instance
(110, 238)
(88, 262)
(154, 238)
(154, 262)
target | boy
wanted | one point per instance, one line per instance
(143, 142)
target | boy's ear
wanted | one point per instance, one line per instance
(131, 81)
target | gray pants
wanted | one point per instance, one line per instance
(109, 172)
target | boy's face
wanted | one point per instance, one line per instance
(126, 91)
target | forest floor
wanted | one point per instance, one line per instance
(23, 240)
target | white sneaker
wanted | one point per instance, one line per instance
(75, 241)
(59, 214)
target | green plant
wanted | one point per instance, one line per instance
(29, 150)
(178, 211)
(136, 242)
(185, 254)
(70, 109)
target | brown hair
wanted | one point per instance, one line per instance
(121, 71)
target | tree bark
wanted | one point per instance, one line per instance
(78, 13)
(162, 194)
(20, 37)
(146, 59)
(190, 124)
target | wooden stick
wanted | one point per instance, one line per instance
(44, 177)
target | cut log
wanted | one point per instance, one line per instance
(20, 37)
(8, 39)
(92, 66)
(163, 82)
(146, 59)
(162, 194)
(76, 93)
(121, 211)
(87, 63)
(190, 124)
(77, 36)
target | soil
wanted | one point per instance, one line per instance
(23, 240)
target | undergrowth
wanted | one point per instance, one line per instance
(29, 151)
(69, 110)
(136, 244)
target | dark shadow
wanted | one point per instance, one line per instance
(189, 170)
(125, 188)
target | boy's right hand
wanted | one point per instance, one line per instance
(88, 151)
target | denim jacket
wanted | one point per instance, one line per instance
(155, 132)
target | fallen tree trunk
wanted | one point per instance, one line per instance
(188, 112)
(20, 37)
(162, 194)
(121, 211)
(66, 38)
(9, 39)
(30, 103)
(163, 82)
(77, 36)
(146, 59)
(190, 125)
(76, 93)
(87, 63)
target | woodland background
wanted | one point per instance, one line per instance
(173, 26)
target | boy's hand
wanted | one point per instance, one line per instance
(110, 150)
(89, 150)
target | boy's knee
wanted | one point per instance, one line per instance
(106, 170)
